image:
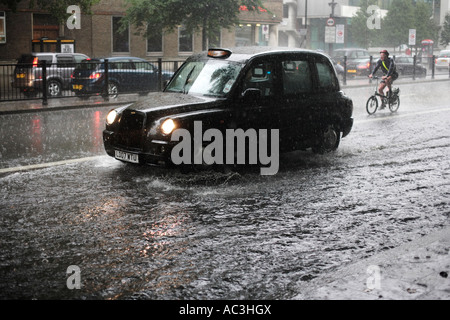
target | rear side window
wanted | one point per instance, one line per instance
(30, 59)
(89, 65)
(296, 77)
(65, 61)
(326, 76)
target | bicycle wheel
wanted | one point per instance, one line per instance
(395, 104)
(372, 105)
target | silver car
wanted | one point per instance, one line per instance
(28, 72)
(443, 60)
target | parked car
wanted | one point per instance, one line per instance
(443, 60)
(125, 74)
(291, 90)
(358, 60)
(339, 68)
(28, 72)
(405, 67)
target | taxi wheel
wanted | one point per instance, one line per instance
(328, 141)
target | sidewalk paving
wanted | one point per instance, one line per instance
(418, 270)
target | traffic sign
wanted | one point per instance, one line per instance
(412, 37)
(340, 33)
(330, 22)
(330, 34)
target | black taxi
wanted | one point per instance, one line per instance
(292, 94)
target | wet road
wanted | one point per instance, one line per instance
(143, 233)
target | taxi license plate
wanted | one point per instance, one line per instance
(77, 87)
(351, 71)
(126, 156)
(20, 76)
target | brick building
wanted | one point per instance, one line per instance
(98, 35)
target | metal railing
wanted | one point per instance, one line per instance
(430, 65)
(44, 81)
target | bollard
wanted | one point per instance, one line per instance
(106, 84)
(160, 84)
(44, 83)
(433, 66)
(414, 67)
(345, 71)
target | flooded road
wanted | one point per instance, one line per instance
(145, 233)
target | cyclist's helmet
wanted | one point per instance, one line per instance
(385, 52)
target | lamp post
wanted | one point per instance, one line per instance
(333, 5)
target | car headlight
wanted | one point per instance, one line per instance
(168, 126)
(111, 117)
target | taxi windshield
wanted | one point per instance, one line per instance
(211, 78)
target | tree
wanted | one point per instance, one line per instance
(360, 32)
(445, 35)
(57, 8)
(150, 17)
(426, 27)
(399, 19)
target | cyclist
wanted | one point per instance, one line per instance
(390, 74)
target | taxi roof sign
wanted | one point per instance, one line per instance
(219, 53)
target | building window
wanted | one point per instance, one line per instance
(45, 26)
(2, 27)
(120, 39)
(155, 44)
(185, 40)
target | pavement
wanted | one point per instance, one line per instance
(418, 270)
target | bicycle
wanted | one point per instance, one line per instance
(392, 101)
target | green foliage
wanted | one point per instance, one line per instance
(398, 21)
(152, 16)
(445, 35)
(402, 16)
(361, 34)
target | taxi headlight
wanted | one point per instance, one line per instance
(111, 117)
(168, 126)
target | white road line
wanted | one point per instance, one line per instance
(402, 115)
(48, 164)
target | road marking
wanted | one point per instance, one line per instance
(402, 115)
(48, 164)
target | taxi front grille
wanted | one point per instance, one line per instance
(131, 129)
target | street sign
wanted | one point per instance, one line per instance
(340, 33)
(412, 37)
(330, 22)
(330, 34)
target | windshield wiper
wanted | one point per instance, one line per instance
(187, 79)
